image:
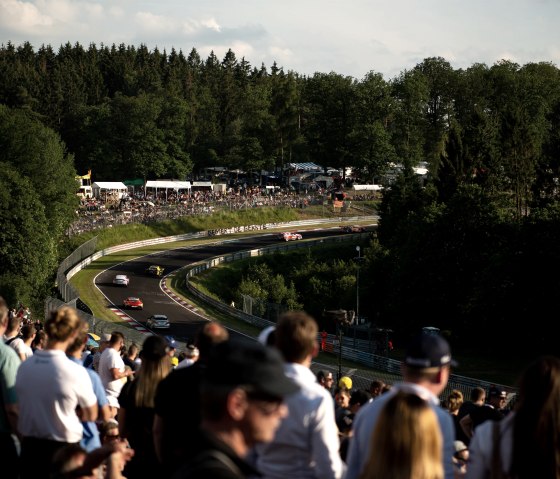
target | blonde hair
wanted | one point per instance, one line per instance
(406, 441)
(454, 401)
(62, 324)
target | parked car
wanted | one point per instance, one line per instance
(121, 280)
(289, 236)
(353, 229)
(133, 303)
(154, 270)
(158, 321)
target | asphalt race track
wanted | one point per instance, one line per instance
(184, 321)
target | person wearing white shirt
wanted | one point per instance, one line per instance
(306, 444)
(111, 370)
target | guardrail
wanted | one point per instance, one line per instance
(348, 352)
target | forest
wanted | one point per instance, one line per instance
(475, 248)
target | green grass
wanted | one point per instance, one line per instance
(503, 370)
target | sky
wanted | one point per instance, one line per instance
(348, 37)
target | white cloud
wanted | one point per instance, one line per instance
(22, 16)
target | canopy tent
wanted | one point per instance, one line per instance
(366, 187)
(304, 166)
(168, 184)
(134, 182)
(105, 188)
(175, 185)
(202, 184)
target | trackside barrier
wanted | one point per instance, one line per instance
(391, 366)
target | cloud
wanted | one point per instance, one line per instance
(22, 16)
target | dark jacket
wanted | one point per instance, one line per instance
(216, 460)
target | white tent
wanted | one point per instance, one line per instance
(105, 188)
(367, 187)
(168, 185)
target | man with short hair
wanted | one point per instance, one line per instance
(325, 378)
(111, 370)
(306, 443)
(492, 411)
(242, 398)
(425, 370)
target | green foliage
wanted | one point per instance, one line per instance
(27, 246)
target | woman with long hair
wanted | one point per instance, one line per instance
(408, 439)
(136, 412)
(526, 443)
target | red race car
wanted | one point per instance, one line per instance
(133, 303)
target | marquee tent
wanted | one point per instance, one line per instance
(175, 185)
(105, 188)
(367, 187)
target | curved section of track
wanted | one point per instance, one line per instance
(184, 318)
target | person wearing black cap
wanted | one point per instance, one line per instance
(425, 371)
(242, 402)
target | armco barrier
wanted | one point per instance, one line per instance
(348, 352)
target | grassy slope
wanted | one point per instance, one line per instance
(500, 370)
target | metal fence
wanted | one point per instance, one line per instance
(356, 350)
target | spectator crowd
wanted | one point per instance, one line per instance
(72, 407)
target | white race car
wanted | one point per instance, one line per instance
(289, 236)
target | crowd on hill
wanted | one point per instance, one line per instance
(73, 407)
(97, 213)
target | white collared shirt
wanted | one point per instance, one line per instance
(306, 444)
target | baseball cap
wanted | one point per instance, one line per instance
(345, 382)
(105, 337)
(154, 348)
(171, 342)
(459, 446)
(427, 351)
(242, 363)
(497, 392)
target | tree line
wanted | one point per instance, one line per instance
(474, 245)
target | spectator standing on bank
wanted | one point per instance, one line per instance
(93, 360)
(453, 403)
(22, 343)
(492, 411)
(136, 413)
(50, 388)
(90, 439)
(40, 341)
(526, 443)
(131, 357)
(407, 441)
(477, 399)
(177, 415)
(9, 364)
(111, 369)
(376, 388)
(425, 369)
(13, 329)
(242, 394)
(306, 443)
(325, 378)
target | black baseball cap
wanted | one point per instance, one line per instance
(428, 351)
(237, 363)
